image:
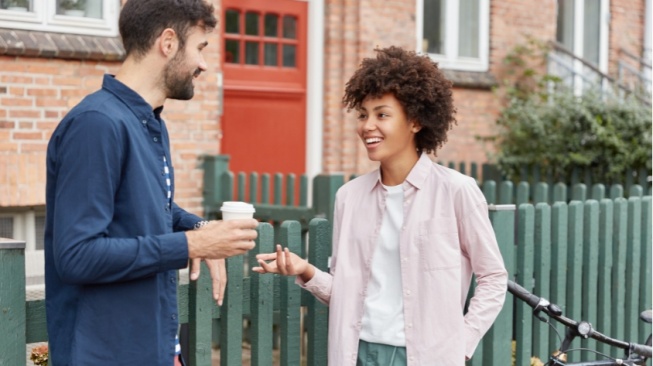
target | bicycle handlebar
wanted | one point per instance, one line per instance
(553, 311)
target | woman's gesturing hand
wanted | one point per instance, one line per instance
(285, 263)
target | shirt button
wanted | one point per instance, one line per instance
(404, 259)
(155, 139)
(144, 122)
(174, 316)
(172, 280)
(407, 293)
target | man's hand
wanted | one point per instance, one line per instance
(286, 263)
(218, 272)
(222, 239)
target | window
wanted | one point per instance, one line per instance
(253, 38)
(455, 33)
(90, 17)
(583, 29)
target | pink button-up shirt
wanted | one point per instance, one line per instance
(446, 237)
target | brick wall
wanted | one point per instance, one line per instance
(35, 94)
(354, 28)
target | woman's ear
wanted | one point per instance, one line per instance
(416, 127)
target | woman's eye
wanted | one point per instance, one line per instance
(361, 117)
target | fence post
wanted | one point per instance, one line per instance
(231, 314)
(324, 195)
(645, 269)
(633, 262)
(606, 224)
(541, 271)
(12, 302)
(590, 268)
(214, 166)
(200, 308)
(261, 300)
(497, 342)
(620, 243)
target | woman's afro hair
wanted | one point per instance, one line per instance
(417, 83)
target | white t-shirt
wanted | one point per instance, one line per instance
(383, 317)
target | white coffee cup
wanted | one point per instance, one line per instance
(232, 210)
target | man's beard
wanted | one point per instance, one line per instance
(178, 85)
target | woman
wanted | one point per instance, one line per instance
(408, 236)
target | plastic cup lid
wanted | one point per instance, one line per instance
(237, 206)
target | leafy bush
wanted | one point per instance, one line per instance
(559, 131)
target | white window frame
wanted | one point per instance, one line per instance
(43, 17)
(451, 60)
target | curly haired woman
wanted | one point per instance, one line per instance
(408, 236)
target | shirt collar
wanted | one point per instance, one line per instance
(133, 101)
(416, 177)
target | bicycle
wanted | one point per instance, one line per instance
(636, 354)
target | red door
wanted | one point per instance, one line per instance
(264, 67)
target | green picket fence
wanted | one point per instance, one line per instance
(592, 258)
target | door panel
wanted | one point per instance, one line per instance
(264, 64)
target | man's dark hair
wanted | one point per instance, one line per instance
(142, 21)
(416, 82)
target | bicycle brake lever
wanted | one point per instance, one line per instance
(542, 304)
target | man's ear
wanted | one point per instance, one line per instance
(168, 42)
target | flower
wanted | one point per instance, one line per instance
(40, 355)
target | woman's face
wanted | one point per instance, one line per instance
(386, 133)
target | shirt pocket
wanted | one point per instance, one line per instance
(438, 243)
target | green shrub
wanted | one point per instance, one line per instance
(560, 131)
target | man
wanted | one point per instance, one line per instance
(114, 236)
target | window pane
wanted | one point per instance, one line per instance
(592, 31)
(469, 28)
(289, 52)
(39, 234)
(271, 25)
(231, 51)
(565, 31)
(16, 5)
(76, 8)
(251, 24)
(232, 22)
(434, 26)
(251, 53)
(270, 54)
(289, 27)
(7, 227)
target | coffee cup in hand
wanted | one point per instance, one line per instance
(232, 210)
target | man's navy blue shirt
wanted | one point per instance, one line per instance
(113, 242)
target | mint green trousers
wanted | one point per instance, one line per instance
(376, 354)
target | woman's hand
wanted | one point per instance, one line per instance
(285, 263)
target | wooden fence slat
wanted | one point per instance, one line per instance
(231, 319)
(253, 188)
(261, 302)
(633, 263)
(559, 222)
(496, 345)
(506, 191)
(278, 188)
(619, 246)
(645, 266)
(303, 190)
(489, 191)
(575, 263)
(12, 302)
(523, 193)
(290, 302)
(265, 188)
(318, 255)
(290, 190)
(241, 186)
(590, 268)
(541, 194)
(579, 192)
(616, 191)
(604, 280)
(635, 191)
(598, 192)
(200, 308)
(542, 273)
(560, 192)
(525, 258)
